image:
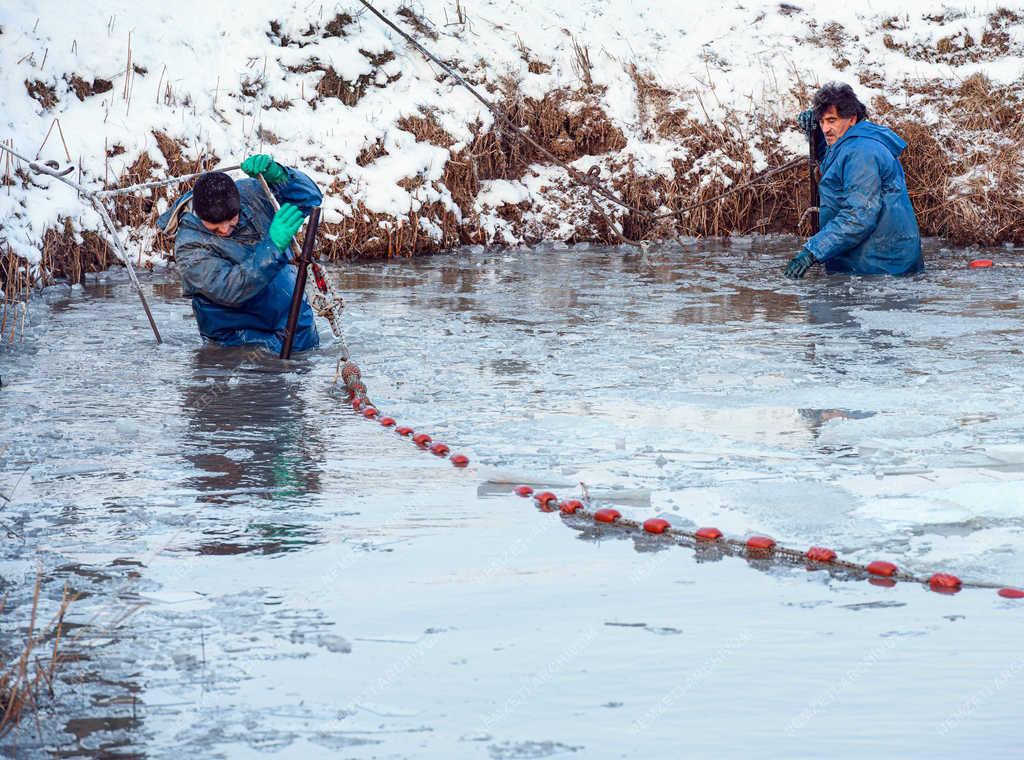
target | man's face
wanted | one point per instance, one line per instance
(834, 126)
(221, 229)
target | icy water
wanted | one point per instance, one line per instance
(262, 573)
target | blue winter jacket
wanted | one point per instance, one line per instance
(241, 285)
(867, 222)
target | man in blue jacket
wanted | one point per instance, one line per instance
(867, 222)
(232, 252)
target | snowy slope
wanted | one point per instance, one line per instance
(228, 80)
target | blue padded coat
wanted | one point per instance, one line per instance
(241, 285)
(867, 222)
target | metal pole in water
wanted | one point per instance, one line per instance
(300, 281)
(331, 305)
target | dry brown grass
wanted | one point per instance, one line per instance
(961, 46)
(984, 209)
(333, 85)
(64, 258)
(420, 25)
(16, 281)
(568, 132)
(69, 255)
(84, 89)
(30, 673)
(42, 93)
(964, 174)
(365, 234)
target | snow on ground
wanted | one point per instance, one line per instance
(232, 80)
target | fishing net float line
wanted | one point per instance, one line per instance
(578, 513)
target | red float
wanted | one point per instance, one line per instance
(460, 460)
(709, 534)
(945, 583)
(387, 421)
(403, 430)
(421, 439)
(1011, 593)
(369, 412)
(760, 543)
(524, 491)
(981, 264)
(544, 498)
(820, 554)
(607, 515)
(656, 525)
(571, 506)
(357, 404)
(885, 569)
(440, 449)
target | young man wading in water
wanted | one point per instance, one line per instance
(867, 222)
(232, 253)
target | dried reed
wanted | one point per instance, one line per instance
(965, 175)
(25, 675)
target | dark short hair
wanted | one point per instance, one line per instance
(841, 96)
(215, 198)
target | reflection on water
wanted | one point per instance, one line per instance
(833, 305)
(816, 418)
(263, 538)
(250, 434)
(738, 304)
(248, 427)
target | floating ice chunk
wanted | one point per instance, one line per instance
(239, 455)
(334, 643)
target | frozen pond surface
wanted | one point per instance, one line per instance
(266, 574)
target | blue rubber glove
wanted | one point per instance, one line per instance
(284, 225)
(799, 265)
(264, 164)
(806, 121)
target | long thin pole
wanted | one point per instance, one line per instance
(328, 305)
(123, 254)
(160, 182)
(300, 281)
(113, 239)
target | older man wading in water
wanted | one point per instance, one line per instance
(867, 222)
(232, 252)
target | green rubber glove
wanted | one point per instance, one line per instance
(284, 225)
(799, 265)
(264, 164)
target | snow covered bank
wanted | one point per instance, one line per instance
(672, 102)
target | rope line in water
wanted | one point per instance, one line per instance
(878, 572)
